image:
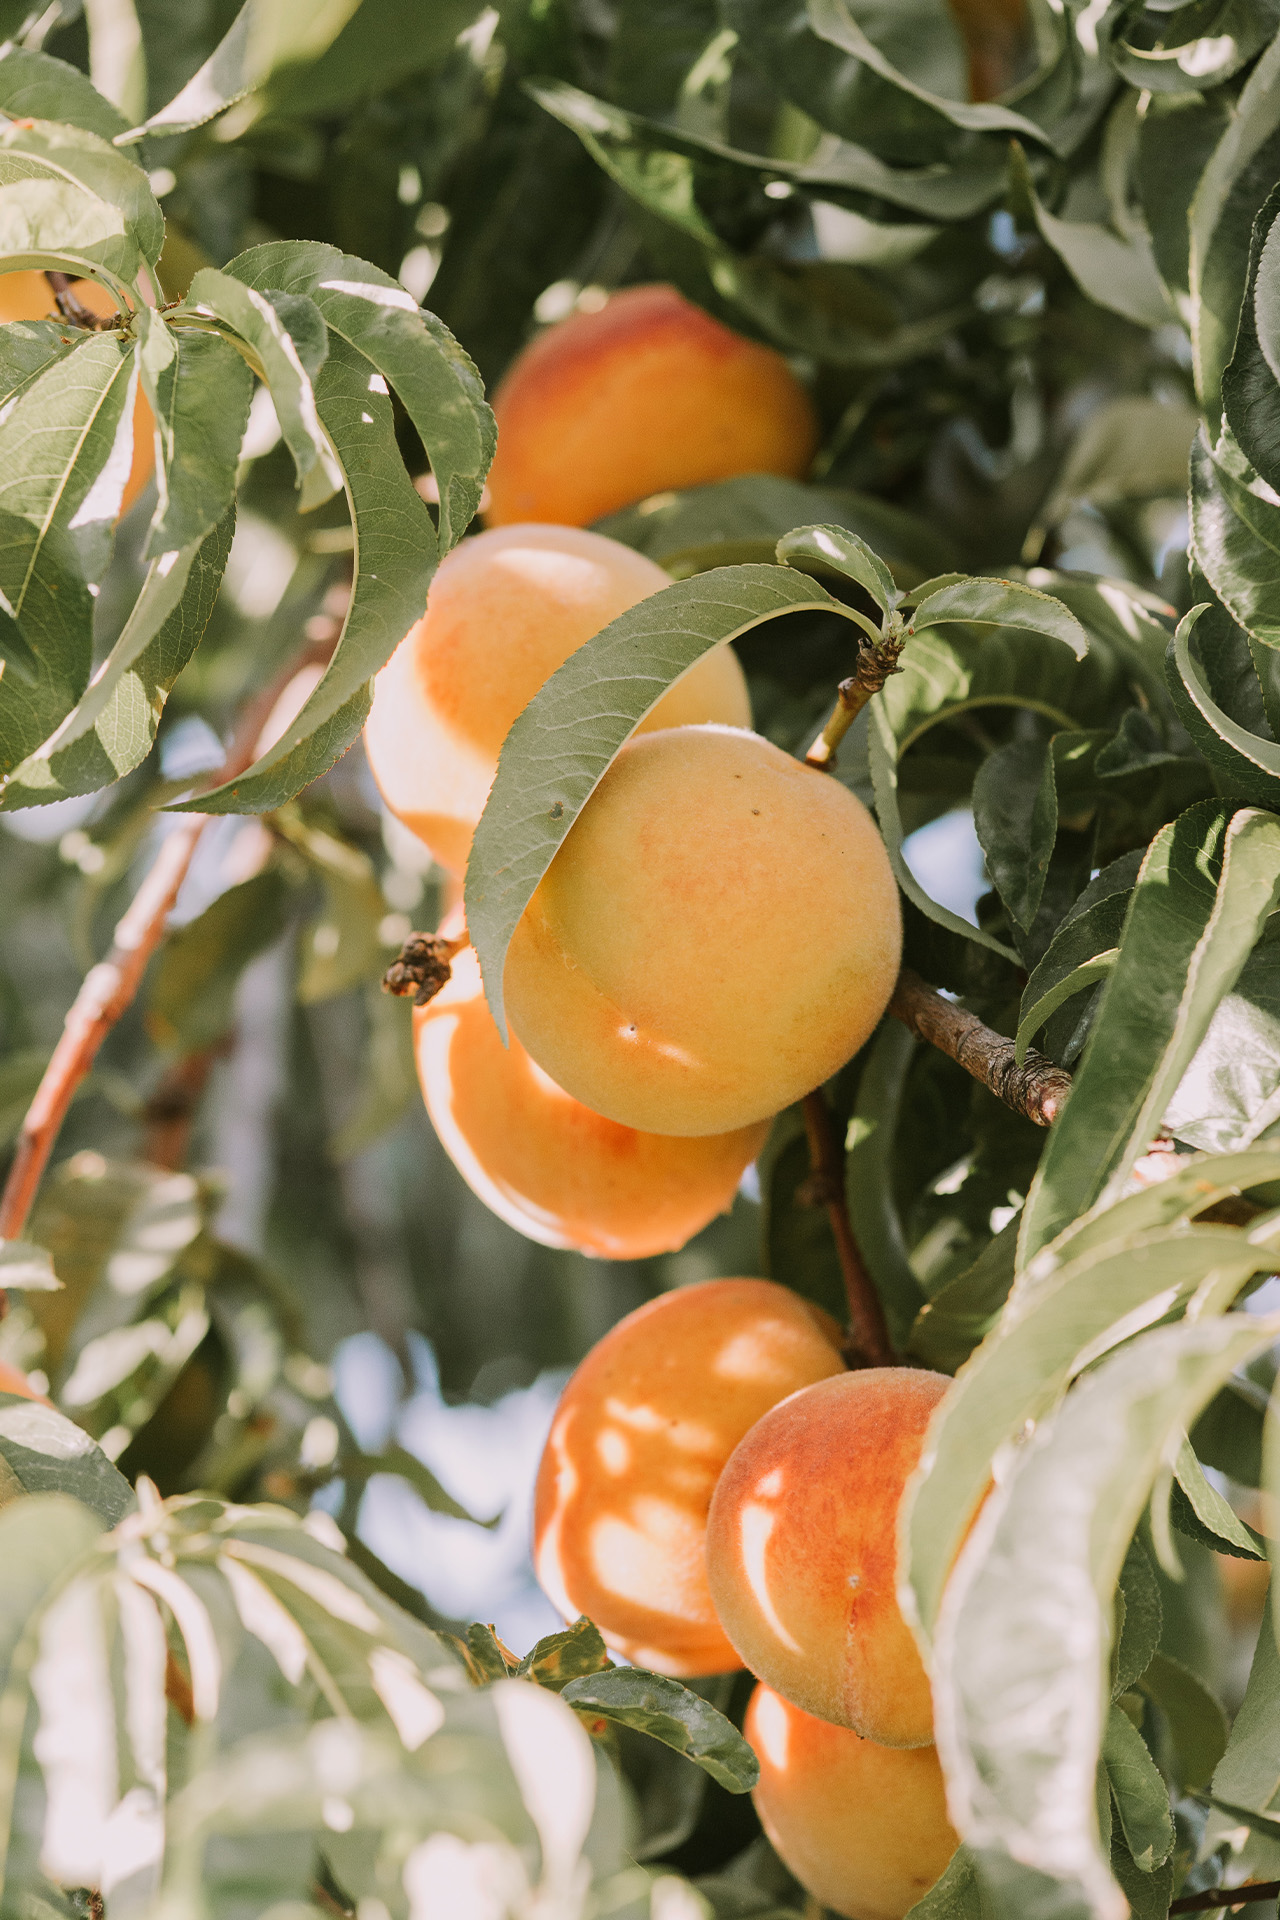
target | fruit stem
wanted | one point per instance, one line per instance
(869, 1344)
(422, 966)
(110, 987)
(1036, 1088)
(876, 661)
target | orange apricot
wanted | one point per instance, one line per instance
(26, 295)
(802, 1551)
(863, 1828)
(639, 1438)
(718, 933)
(13, 1380)
(505, 609)
(647, 393)
(545, 1163)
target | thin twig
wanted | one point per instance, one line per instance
(1226, 1897)
(876, 661)
(869, 1333)
(110, 987)
(1036, 1089)
(73, 310)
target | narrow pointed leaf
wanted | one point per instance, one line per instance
(1001, 603)
(835, 550)
(411, 350)
(1118, 273)
(673, 1714)
(1197, 1723)
(1204, 891)
(561, 746)
(395, 554)
(1247, 766)
(1140, 1794)
(1200, 1511)
(35, 86)
(199, 388)
(1235, 537)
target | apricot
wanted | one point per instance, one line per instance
(26, 295)
(546, 1164)
(802, 1551)
(719, 932)
(648, 393)
(639, 1438)
(506, 609)
(863, 1828)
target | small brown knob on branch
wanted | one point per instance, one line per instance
(876, 661)
(423, 966)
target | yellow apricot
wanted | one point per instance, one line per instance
(505, 609)
(648, 393)
(802, 1551)
(639, 1438)
(546, 1164)
(28, 296)
(863, 1828)
(718, 934)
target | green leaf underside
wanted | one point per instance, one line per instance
(1204, 890)
(671, 1713)
(1027, 1614)
(1206, 1516)
(199, 388)
(561, 746)
(395, 558)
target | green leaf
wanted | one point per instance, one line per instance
(561, 746)
(819, 550)
(35, 86)
(1250, 398)
(395, 556)
(40, 1539)
(559, 1658)
(69, 197)
(956, 1896)
(1202, 1513)
(112, 728)
(1247, 766)
(1047, 1330)
(380, 46)
(264, 36)
(1197, 1724)
(873, 1146)
(199, 388)
(29, 347)
(1119, 274)
(1202, 1181)
(1140, 1795)
(64, 456)
(1248, 1773)
(1204, 891)
(1235, 538)
(192, 990)
(1139, 1618)
(951, 1325)
(1027, 1615)
(487, 1653)
(412, 350)
(50, 1454)
(1015, 816)
(999, 603)
(268, 329)
(673, 1714)
(1239, 176)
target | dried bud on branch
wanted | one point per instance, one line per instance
(422, 967)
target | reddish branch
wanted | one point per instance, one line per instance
(110, 987)
(869, 1342)
(1036, 1089)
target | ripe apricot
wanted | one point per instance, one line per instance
(14, 1380)
(646, 394)
(718, 934)
(28, 296)
(802, 1551)
(863, 1827)
(639, 1438)
(505, 609)
(543, 1162)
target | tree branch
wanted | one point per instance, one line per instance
(1226, 1896)
(110, 987)
(869, 1342)
(1036, 1089)
(876, 661)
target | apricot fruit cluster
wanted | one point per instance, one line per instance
(720, 929)
(718, 1491)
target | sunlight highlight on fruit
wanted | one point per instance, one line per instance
(546, 1164)
(639, 1439)
(506, 608)
(719, 932)
(863, 1827)
(646, 394)
(802, 1551)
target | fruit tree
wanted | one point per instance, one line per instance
(639, 959)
